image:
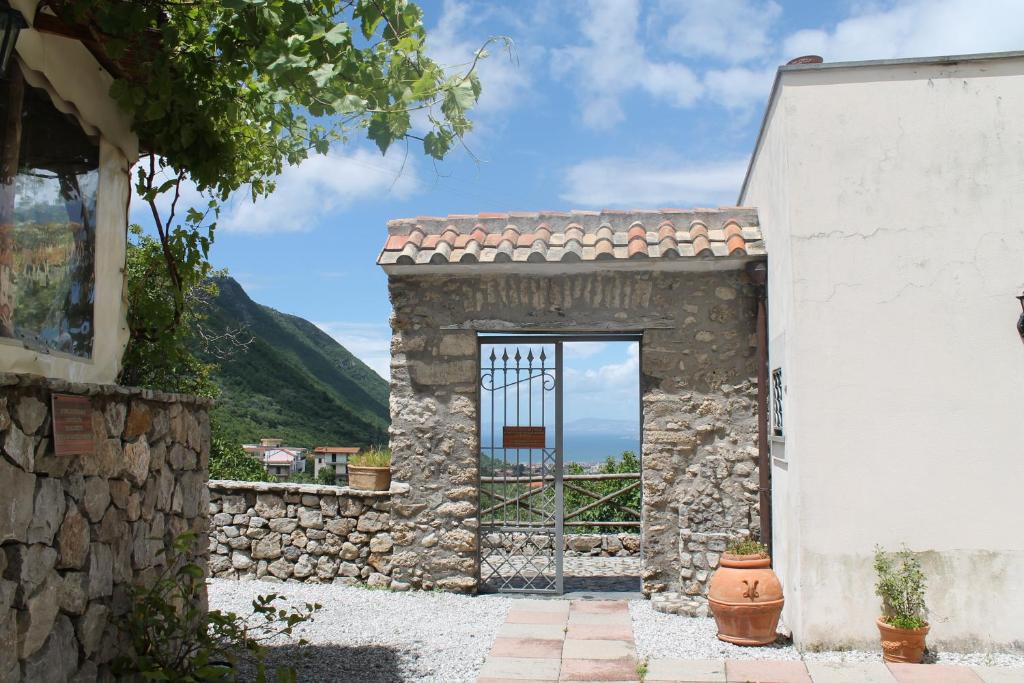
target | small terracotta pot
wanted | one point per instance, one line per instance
(746, 599)
(369, 478)
(903, 645)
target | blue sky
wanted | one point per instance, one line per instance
(614, 103)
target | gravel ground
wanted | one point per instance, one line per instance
(670, 636)
(377, 636)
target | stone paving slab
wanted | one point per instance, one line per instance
(763, 671)
(600, 632)
(584, 640)
(600, 618)
(520, 616)
(849, 672)
(686, 670)
(926, 673)
(520, 669)
(599, 670)
(995, 674)
(542, 631)
(527, 647)
(599, 649)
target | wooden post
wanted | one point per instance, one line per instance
(8, 174)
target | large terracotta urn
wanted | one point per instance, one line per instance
(746, 598)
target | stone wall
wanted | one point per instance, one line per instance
(302, 532)
(602, 545)
(698, 385)
(77, 532)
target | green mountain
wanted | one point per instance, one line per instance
(293, 382)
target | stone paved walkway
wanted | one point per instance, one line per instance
(592, 640)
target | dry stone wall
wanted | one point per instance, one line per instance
(302, 532)
(76, 532)
(698, 386)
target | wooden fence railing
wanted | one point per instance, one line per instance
(516, 492)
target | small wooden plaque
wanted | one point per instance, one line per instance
(522, 437)
(72, 426)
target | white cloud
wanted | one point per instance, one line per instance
(613, 62)
(632, 183)
(739, 87)
(583, 350)
(726, 52)
(369, 342)
(323, 184)
(609, 383)
(732, 31)
(914, 28)
(918, 28)
(504, 79)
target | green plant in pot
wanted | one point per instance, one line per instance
(902, 625)
(745, 595)
(370, 470)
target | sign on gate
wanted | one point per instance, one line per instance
(522, 437)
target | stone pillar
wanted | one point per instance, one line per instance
(434, 374)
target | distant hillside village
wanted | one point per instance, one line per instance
(326, 464)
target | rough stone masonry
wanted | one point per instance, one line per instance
(302, 532)
(699, 423)
(76, 532)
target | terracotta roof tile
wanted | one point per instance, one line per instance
(570, 236)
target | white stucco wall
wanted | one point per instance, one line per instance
(892, 202)
(78, 86)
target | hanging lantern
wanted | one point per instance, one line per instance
(11, 23)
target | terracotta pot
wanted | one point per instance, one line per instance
(904, 645)
(746, 598)
(369, 478)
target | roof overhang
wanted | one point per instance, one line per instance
(555, 242)
(674, 265)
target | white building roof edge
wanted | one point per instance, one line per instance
(826, 66)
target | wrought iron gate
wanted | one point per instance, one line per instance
(521, 512)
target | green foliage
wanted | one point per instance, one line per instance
(292, 381)
(901, 585)
(173, 638)
(747, 546)
(226, 93)
(229, 461)
(159, 356)
(301, 478)
(327, 476)
(376, 456)
(610, 511)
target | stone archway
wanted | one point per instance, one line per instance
(677, 279)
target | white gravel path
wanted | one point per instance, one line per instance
(660, 636)
(375, 635)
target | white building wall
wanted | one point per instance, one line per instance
(892, 202)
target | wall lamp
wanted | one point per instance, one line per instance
(1020, 320)
(11, 23)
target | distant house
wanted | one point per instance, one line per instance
(279, 460)
(333, 458)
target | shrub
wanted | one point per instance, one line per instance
(327, 476)
(229, 461)
(377, 456)
(901, 585)
(614, 510)
(747, 546)
(172, 638)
